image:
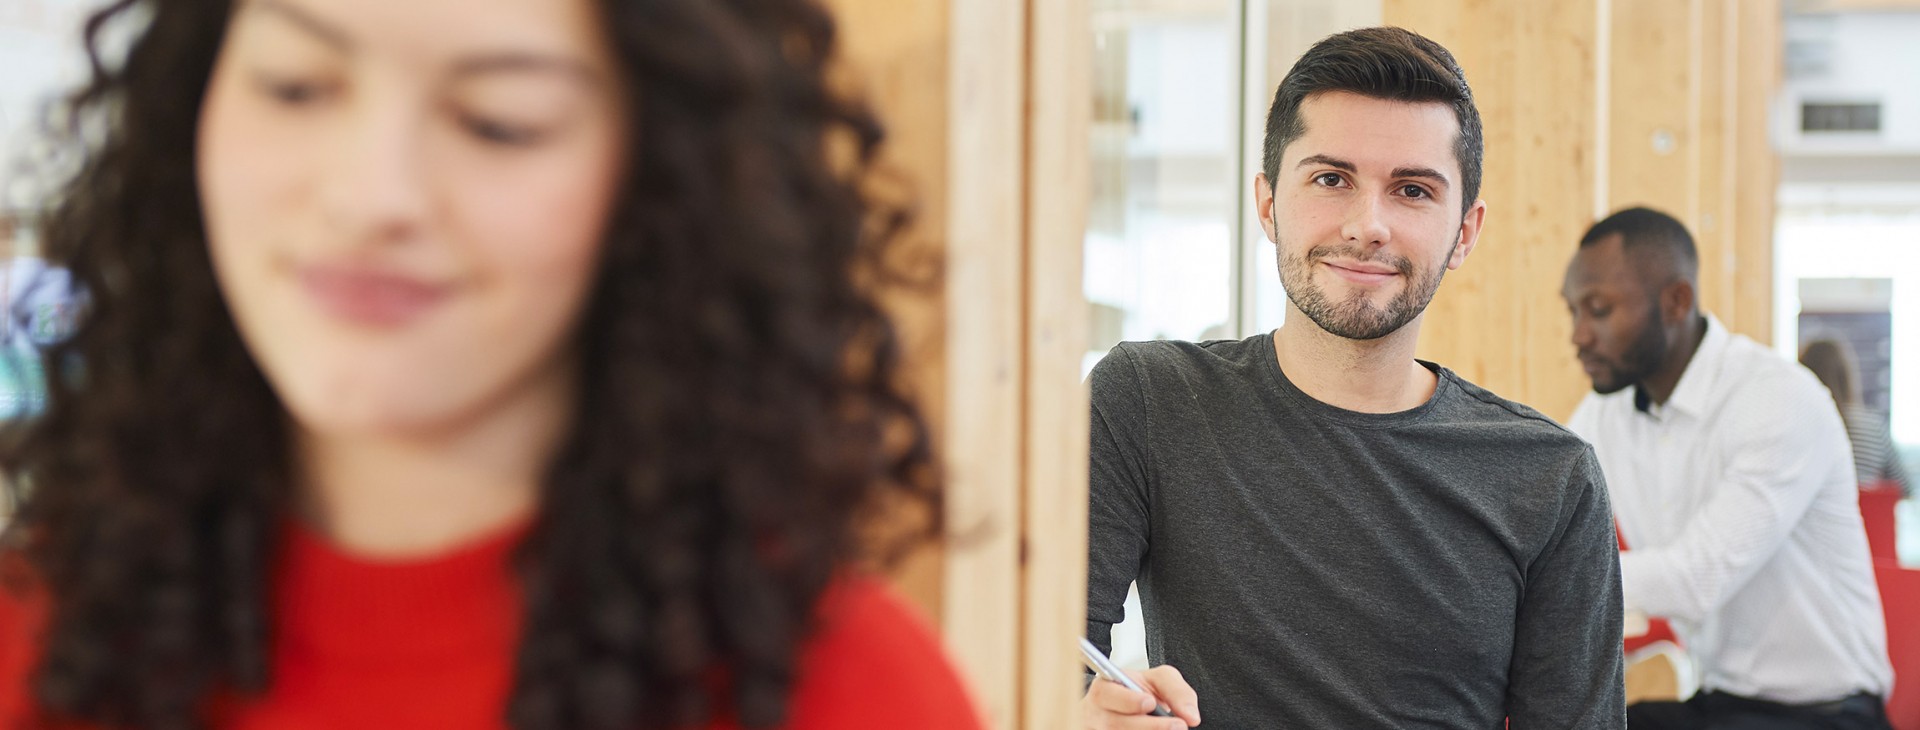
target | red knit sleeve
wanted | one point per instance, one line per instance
(21, 616)
(877, 664)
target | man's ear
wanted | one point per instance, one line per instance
(1263, 204)
(1470, 224)
(1676, 301)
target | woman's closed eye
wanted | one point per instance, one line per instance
(293, 90)
(504, 133)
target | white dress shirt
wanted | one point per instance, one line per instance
(1739, 508)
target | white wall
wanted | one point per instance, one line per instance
(40, 58)
(1869, 57)
(1872, 246)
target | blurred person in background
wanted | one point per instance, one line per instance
(469, 364)
(1875, 459)
(1730, 480)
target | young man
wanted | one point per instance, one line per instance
(1732, 479)
(1327, 532)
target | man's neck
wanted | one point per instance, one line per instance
(1368, 376)
(1660, 385)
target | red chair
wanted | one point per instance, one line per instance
(1657, 628)
(1876, 508)
(1900, 599)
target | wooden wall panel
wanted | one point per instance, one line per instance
(1683, 129)
(1059, 185)
(1655, 124)
(985, 363)
(1499, 320)
(1757, 55)
(1713, 226)
(1702, 73)
(896, 55)
(988, 108)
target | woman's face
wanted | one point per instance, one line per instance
(405, 200)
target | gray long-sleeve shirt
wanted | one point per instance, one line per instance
(1308, 566)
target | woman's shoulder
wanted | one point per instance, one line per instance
(875, 662)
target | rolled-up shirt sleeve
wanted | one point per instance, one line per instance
(1780, 450)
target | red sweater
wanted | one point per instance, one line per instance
(430, 644)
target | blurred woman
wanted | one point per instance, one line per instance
(1875, 460)
(469, 363)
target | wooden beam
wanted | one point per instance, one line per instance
(1758, 52)
(1654, 112)
(985, 347)
(1058, 187)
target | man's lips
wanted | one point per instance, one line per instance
(1362, 273)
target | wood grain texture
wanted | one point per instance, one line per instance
(1758, 58)
(1703, 72)
(985, 348)
(988, 105)
(1654, 114)
(894, 54)
(1713, 228)
(1685, 131)
(1059, 184)
(1499, 321)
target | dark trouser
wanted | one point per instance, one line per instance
(1722, 711)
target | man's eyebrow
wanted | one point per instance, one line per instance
(1425, 173)
(326, 32)
(1333, 162)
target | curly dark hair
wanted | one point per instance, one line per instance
(741, 422)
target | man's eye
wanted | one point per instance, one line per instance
(1413, 191)
(1327, 179)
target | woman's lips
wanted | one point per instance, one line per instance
(370, 297)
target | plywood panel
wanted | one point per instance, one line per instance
(895, 54)
(984, 337)
(1757, 50)
(1058, 186)
(1713, 229)
(1653, 113)
(1499, 321)
(1680, 126)
(1701, 74)
(988, 106)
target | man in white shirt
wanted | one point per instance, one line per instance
(1732, 481)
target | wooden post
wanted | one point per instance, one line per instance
(988, 107)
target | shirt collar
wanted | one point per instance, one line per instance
(1691, 395)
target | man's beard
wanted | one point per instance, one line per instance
(1641, 360)
(1357, 318)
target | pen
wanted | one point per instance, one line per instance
(1111, 672)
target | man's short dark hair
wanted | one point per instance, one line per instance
(1656, 242)
(1394, 64)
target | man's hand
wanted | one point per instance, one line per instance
(1109, 706)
